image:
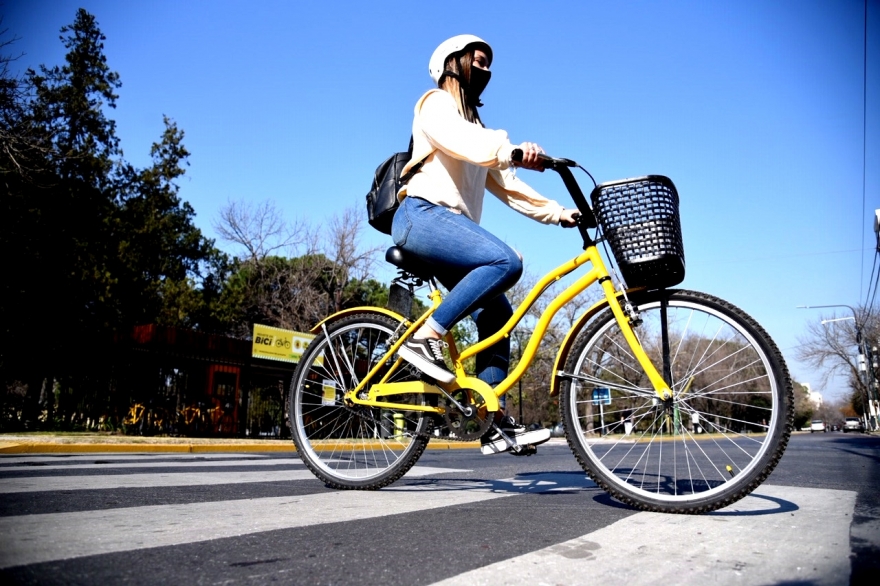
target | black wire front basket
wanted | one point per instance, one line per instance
(639, 218)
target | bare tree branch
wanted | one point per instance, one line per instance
(291, 275)
(832, 347)
(260, 229)
(349, 261)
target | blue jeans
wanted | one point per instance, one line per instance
(475, 266)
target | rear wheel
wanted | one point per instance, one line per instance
(716, 439)
(354, 447)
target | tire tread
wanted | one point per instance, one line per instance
(712, 503)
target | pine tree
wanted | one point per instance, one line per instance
(92, 244)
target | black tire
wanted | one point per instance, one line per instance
(353, 447)
(728, 380)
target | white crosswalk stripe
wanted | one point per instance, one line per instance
(725, 547)
(155, 464)
(111, 481)
(156, 480)
(66, 535)
(159, 457)
(754, 541)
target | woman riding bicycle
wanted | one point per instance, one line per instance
(439, 215)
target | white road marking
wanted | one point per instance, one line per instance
(6, 459)
(155, 480)
(778, 534)
(53, 483)
(755, 541)
(30, 539)
(107, 465)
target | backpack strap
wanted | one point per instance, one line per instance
(415, 168)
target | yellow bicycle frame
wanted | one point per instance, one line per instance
(378, 391)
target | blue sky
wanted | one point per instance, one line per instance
(754, 108)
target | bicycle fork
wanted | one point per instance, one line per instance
(626, 317)
(659, 382)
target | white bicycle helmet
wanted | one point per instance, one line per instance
(437, 64)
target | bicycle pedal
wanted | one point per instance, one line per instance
(527, 450)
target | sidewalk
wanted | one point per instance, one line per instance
(77, 443)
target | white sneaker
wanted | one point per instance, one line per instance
(493, 442)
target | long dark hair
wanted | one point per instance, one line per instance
(460, 64)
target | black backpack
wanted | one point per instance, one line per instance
(382, 198)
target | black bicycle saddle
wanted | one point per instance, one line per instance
(408, 263)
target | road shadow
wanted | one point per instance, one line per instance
(542, 483)
(858, 441)
(559, 483)
(607, 500)
(781, 506)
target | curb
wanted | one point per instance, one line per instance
(178, 448)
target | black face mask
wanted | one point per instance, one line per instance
(479, 80)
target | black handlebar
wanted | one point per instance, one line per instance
(547, 161)
(563, 166)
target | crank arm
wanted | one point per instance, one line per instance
(510, 443)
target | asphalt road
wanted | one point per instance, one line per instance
(458, 517)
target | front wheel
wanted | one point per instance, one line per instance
(718, 437)
(353, 446)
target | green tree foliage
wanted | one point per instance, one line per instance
(803, 407)
(160, 253)
(291, 293)
(290, 275)
(92, 244)
(59, 203)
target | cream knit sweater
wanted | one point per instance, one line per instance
(464, 160)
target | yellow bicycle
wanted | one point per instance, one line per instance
(671, 400)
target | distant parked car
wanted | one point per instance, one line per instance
(817, 425)
(835, 427)
(852, 424)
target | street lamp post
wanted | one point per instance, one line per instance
(862, 368)
(872, 372)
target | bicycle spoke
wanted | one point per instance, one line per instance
(719, 428)
(354, 446)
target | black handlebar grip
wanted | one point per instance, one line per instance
(548, 162)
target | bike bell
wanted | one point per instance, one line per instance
(456, 44)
